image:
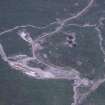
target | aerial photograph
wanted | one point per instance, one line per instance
(52, 52)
